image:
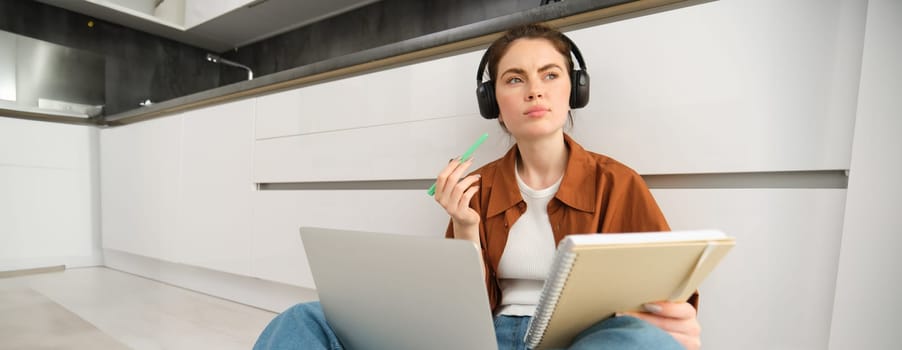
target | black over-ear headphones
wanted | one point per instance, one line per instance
(579, 85)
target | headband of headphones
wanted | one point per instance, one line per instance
(579, 88)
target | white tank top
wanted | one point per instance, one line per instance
(528, 253)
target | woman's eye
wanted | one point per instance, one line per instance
(514, 80)
(551, 76)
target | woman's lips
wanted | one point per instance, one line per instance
(536, 111)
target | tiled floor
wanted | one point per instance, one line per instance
(109, 309)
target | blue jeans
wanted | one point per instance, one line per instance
(304, 326)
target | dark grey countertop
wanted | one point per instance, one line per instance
(567, 15)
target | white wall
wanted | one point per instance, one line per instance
(762, 86)
(865, 314)
(49, 206)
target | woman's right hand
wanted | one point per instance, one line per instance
(454, 195)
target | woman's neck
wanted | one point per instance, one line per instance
(542, 161)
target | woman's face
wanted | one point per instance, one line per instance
(533, 89)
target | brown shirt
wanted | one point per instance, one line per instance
(597, 195)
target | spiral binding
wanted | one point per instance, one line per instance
(551, 292)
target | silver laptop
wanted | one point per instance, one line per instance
(387, 291)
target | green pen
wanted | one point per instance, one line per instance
(464, 157)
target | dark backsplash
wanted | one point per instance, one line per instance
(141, 66)
(374, 25)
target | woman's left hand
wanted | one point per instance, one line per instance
(678, 319)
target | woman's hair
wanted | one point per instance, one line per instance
(529, 31)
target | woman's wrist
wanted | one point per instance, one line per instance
(470, 232)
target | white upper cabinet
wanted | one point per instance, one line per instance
(200, 11)
(214, 25)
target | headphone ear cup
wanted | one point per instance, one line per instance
(485, 96)
(579, 88)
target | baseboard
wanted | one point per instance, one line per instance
(263, 294)
(18, 264)
(32, 271)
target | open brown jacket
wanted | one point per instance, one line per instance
(597, 195)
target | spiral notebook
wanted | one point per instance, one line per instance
(593, 276)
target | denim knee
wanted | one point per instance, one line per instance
(302, 326)
(624, 333)
(309, 312)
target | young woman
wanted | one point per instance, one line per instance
(547, 186)
(520, 206)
